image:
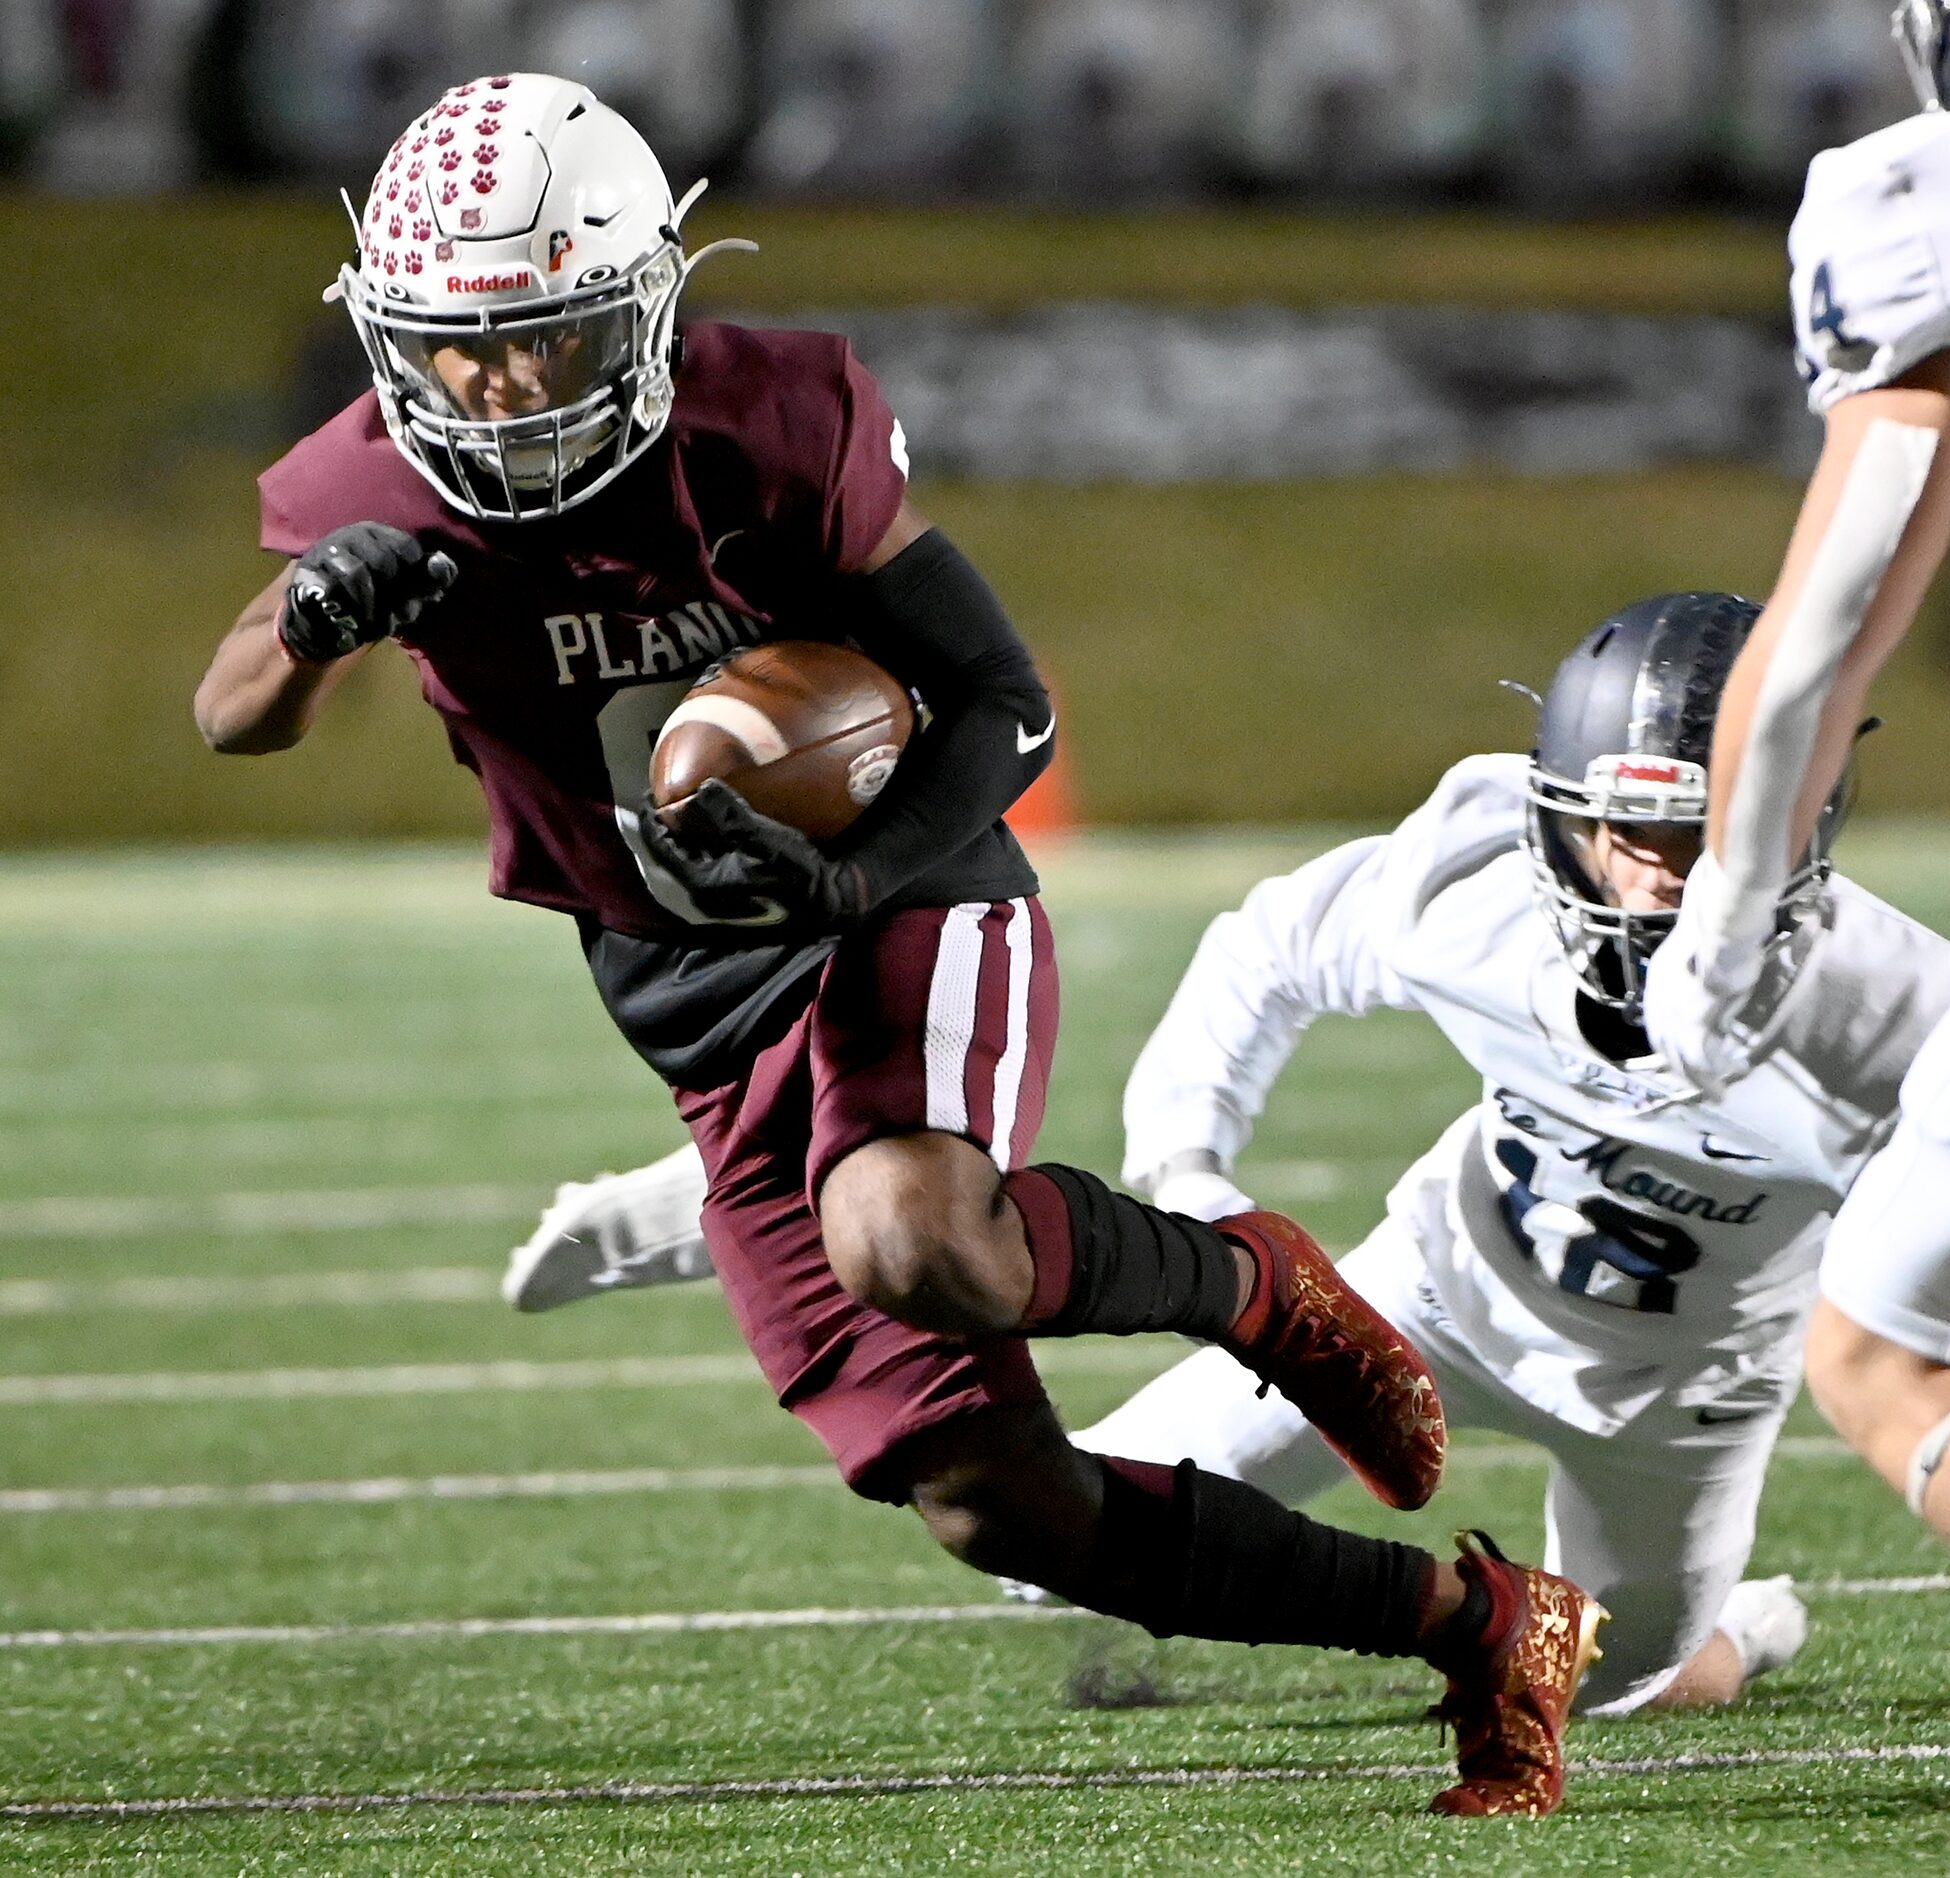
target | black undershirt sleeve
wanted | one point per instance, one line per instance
(931, 619)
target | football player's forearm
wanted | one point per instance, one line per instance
(255, 698)
(1202, 1079)
(1868, 540)
(959, 776)
(1784, 752)
(936, 624)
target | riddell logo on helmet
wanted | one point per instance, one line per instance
(488, 283)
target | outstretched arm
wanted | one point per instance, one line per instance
(1303, 944)
(1873, 528)
(1323, 939)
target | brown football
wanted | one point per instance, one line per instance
(807, 733)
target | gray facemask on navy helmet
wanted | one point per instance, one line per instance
(1624, 735)
(1922, 31)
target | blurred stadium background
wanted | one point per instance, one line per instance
(1340, 326)
(1296, 369)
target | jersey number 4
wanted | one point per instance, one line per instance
(1598, 1249)
(1825, 316)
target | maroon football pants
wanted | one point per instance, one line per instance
(937, 1018)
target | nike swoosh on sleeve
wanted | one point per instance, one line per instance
(1025, 742)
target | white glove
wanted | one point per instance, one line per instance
(1701, 979)
(1206, 1196)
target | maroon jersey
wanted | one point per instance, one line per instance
(564, 643)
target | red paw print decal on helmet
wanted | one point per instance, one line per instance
(499, 84)
(393, 229)
(483, 181)
(486, 153)
(414, 171)
(495, 104)
(450, 159)
(414, 263)
(392, 262)
(448, 192)
(445, 135)
(422, 231)
(419, 144)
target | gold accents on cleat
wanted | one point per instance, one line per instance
(1365, 1388)
(1510, 1705)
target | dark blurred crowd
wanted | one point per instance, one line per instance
(1569, 102)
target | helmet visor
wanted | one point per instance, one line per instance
(523, 369)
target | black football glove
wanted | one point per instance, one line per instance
(361, 583)
(742, 868)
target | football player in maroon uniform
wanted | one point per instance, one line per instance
(566, 511)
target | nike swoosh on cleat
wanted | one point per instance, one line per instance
(1025, 742)
(1712, 1153)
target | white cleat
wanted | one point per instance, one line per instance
(1765, 1622)
(1021, 1591)
(616, 1233)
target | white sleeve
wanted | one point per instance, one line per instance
(1319, 940)
(1870, 259)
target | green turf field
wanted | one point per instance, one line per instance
(269, 1123)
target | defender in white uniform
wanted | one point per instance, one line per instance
(1591, 1258)
(1871, 293)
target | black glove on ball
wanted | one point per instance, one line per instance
(361, 583)
(742, 868)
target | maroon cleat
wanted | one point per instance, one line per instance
(1510, 1689)
(1354, 1376)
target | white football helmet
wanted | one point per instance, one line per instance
(516, 292)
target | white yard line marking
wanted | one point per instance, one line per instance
(271, 1291)
(1875, 1587)
(645, 1624)
(389, 1489)
(354, 1209)
(629, 1372)
(860, 1786)
(670, 1623)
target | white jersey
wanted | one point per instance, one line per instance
(1597, 1233)
(1870, 252)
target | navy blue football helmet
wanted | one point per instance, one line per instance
(1625, 734)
